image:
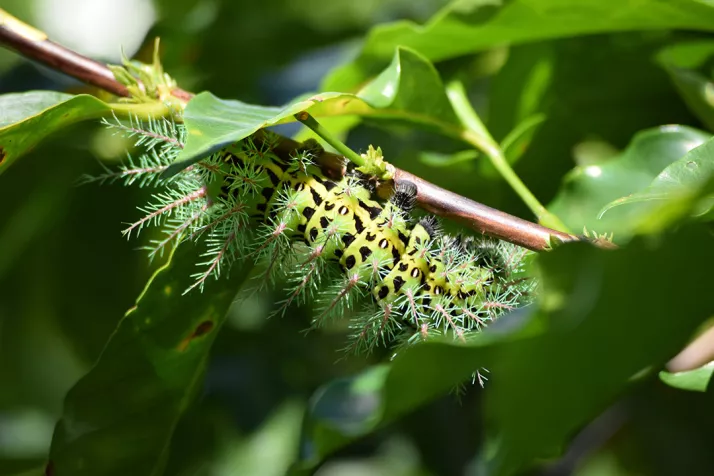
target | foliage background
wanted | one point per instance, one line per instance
(67, 276)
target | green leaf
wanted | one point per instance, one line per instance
(583, 101)
(349, 408)
(552, 367)
(27, 118)
(467, 26)
(678, 184)
(588, 188)
(38, 471)
(340, 411)
(119, 418)
(408, 90)
(270, 449)
(696, 380)
(516, 142)
(599, 338)
(520, 88)
(437, 159)
(685, 62)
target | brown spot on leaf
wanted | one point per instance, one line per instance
(202, 329)
(2, 155)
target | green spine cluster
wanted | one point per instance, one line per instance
(398, 278)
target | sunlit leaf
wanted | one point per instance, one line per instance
(28, 118)
(408, 90)
(686, 64)
(696, 380)
(467, 26)
(681, 181)
(590, 187)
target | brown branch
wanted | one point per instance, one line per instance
(445, 203)
(34, 45)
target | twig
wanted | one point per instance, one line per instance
(478, 136)
(34, 45)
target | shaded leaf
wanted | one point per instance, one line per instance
(349, 408)
(684, 63)
(583, 100)
(696, 380)
(119, 418)
(467, 26)
(270, 449)
(437, 159)
(340, 411)
(550, 371)
(519, 91)
(516, 142)
(409, 89)
(545, 388)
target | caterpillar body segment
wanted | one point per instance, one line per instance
(334, 244)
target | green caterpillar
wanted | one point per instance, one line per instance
(332, 241)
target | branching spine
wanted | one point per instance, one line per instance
(402, 280)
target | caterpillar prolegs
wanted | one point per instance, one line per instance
(333, 241)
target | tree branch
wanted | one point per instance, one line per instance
(34, 45)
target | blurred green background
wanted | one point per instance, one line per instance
(67, 275)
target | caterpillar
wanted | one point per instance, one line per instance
(330, 240)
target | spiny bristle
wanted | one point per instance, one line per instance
(304, 280)
(404, 197)
(329, 239)
(431, 224)
(338, 298)
(374, 326)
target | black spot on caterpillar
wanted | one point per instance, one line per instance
(372, 210)
(347, 239)
(401, 278)
(273, 178)
(316, 198)
(308, 212)
(365, 252)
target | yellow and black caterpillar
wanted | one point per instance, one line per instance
(333, 242)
